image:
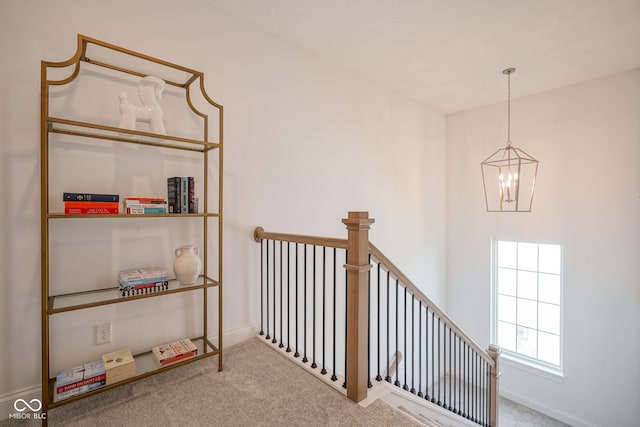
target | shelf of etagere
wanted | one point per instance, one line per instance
(94, 298)
(96, 131)
(146, 366)
(56, 215)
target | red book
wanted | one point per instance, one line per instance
(82, 205)
(173, 352)
(175, 359)
(67, 387)
(92, 211)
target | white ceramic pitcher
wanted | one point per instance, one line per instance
(187, 264)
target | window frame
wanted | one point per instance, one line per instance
(523, 361)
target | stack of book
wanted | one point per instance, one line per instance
(142, 281)
(80, 379)
(90, 203)
(119, 365)
(181, 194)
(144, 205)
(173, 352)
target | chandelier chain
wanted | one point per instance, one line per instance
(508, 109)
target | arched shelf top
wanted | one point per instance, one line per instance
(122, 60)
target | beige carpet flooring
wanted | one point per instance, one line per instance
(258, 387)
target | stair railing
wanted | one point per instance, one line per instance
(323, 301)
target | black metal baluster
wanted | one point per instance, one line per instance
(489, 392)
(477, 365)
(288, 350)
(334, 377)
(313, 310)
(454, 374)
(324, 324)
(413, 342)
(274, 340)
(304, 308)
(388, 376)
(450, 382)
(474, 401)
(439, 371)
(444, 365)
(463, 379)
(468, 377)
(296, 354)
(346, 304)
(267, 337)
(420, 349)
(406, 358)
(484, 391)
(463, 373)
(261, 287)
(397, 381)
(379, 377)
(369, 385)
(281, 335)
(475, 389)
(433, 359)
(460, 377)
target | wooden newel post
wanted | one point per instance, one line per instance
(357, 267)
(494, 353)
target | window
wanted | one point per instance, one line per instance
(527, 309)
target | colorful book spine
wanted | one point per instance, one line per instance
(148, 208)
(143, 200)
(144, 288)
(184, 195)
(193, 202)
(173, 195)
(82, 207)
(145, 281)
(108, 205)
(178, 358)
(90, 197)
(173, 352)
(84, 382)
(181, 194)
(90, 211)
(79, 379)
(79, 390)
(141, 273)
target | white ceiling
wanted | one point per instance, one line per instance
(449, 54)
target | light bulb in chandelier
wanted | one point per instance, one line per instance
(508, 186)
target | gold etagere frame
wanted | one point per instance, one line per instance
(121, 60)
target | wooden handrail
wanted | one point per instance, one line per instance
(395, 271)
(259, 234)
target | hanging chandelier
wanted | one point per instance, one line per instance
(509, 174)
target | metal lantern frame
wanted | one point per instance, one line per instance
(510, 165)
(509, 174)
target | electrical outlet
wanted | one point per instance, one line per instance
(103, 333)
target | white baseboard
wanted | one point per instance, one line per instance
(561, 416)
(421, 408)
(236, 336)
(8, 400)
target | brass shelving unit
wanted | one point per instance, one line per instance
(116, 60)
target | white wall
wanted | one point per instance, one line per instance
(305, 142)
(587, 138)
